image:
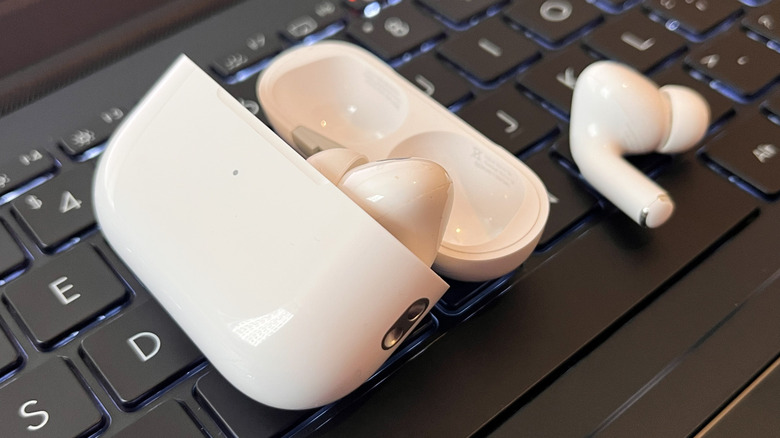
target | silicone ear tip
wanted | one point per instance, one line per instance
(690, 118)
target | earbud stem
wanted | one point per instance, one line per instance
(632, 192)
(617, 111)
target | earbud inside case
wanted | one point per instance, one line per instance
(334, 94)
(288, 287)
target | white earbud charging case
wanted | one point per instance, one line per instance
(342, 94)
(286, 285)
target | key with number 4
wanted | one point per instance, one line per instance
(58, 210)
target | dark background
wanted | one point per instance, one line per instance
(45, 44)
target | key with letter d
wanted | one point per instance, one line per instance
(140, 353)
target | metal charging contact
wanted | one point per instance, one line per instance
(401, 326)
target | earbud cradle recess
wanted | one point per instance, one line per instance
(334, 94)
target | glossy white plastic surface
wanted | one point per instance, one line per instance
(344, 94)
(690, 118)
(410, 197)
(616, 111)
(334, 163)
(284, 283)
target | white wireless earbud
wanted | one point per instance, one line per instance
(334, 163)
(616, 111)
(410, 197)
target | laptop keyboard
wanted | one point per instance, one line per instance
(86, 351)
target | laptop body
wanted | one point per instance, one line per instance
(608, 329)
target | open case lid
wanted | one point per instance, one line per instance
(287, 286)
(334, 93)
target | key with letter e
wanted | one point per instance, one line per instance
(65, 295)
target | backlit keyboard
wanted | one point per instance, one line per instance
(566, 346)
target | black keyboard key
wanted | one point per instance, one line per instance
(569, 201)
(429, 74)
(357, 5)
(773, 104)
(140, 353)
(753, 413)
(23, 168)
(750, 149)
(554, 21)
(737, 62)
(764, 21)
(720, 106)
(9, 356)
(241, 416)
(323, 13)
(509, 119)
(169, 420)
(489, 50)
(635, 40)
(48, 402)
(65, 295)
(245, 93)
(462, 294)
(696, 17)
(646, 163)
(253, 49)
(11, 256)
(92, 133)
(395, 31)
(552, 79)
(459, 11)
(58, 210)
(616, 5)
